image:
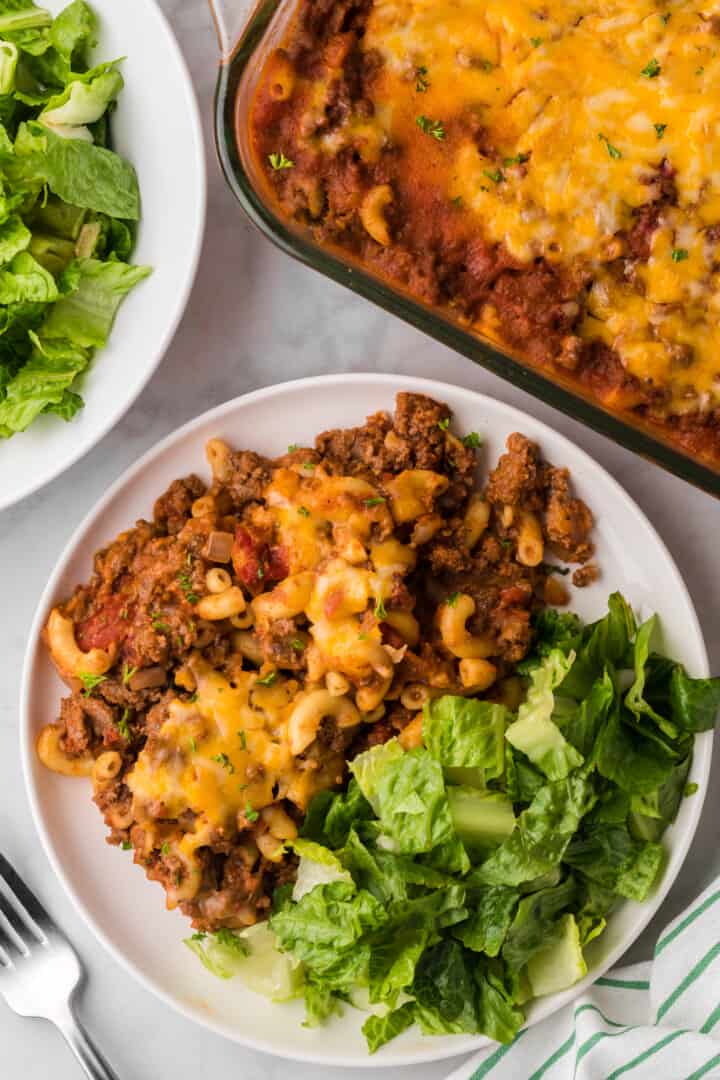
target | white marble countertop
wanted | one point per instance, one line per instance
(255, 318)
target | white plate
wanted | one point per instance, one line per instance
(127, 912)
(157, 127)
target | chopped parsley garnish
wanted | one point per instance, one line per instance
(127, 674)
(487, 65)
(158, 624)
(550, 568)
(250, 814)
(700, 70)
(659, 130)
(496, 175)
(519, 159)
(193, 698)
(303, 511)
(536, 42)
(267, 680)
(297, 644)
(243, 740)
(506, 544)
(309, 465)
(471, 441)
(165, 849)
(666, 17)
(452, 599)
(362, 637)
(199, 936)
(377, 501)
(224, 760)
(123, 727)
(193, 746)
(293, 447)
(260, 573)
(444, 424)
(679, 254)
(421, 83)
(458, 200)
(279, 161)
(90, 682)
(431, 127)
(230, 940)
(186, 586)
(613, 151)
(651, 69)
(380, 612)
(126, 845)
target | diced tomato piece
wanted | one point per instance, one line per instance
(277, 565)
(515, 594)
(246, 559)
(108, 624)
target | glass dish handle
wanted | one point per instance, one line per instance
(231, 17)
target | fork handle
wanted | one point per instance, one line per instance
(93, 1063)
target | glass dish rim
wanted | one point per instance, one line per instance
(431, 322)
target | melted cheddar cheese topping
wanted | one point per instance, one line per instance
(229, 752)
(580, 105)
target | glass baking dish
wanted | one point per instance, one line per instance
(247, 32)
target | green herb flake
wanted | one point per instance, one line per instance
(472, 440)
(279, 161)
(380, 612)
(292, 448)
(186, 587)
(267, 680)
(613, 151)
(250, 814)
(90, 682)
(679, 254)
(421, 82)
(700, 70)
(193, 698)
(243, 740)
(298, 645)
(665, 18)
(659, 130)
(518, 159)
(309, 465)
(123, 726)
(431, 127)
(536, 42)
(303, 511)
(496, 175)
(193, 746)
(165, 849)
(224, 760)
(444, 424)
(458, 201)
(452, 599)
(157, 622)
(651, 69)
(127, 674)
(126, 845)
(377, 501)
(260, 573)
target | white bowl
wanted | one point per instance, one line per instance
(124, 910)
(157, 127)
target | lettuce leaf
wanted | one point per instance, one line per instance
(536, 922)
(325, 930)
(463, 732)
(605, 643)
(94, 293)
(317, 866)
(22, 15)
(407, 791)
(534, 732)
(41, 384)
(77, 172)
(379, 1030)
(541, 835)
(694, 702)
(635, 763)
(491, 912)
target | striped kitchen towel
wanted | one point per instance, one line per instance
(654, 1021)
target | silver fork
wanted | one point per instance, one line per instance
(39, 970)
